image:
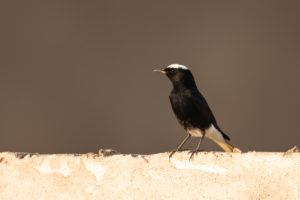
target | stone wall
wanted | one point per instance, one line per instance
(210, 175)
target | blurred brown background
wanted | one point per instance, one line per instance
(76, 76)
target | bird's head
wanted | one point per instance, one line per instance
(179, 75)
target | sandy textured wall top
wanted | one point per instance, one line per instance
(208, 176)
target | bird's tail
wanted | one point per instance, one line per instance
(227, 147)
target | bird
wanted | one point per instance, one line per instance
(192, 110)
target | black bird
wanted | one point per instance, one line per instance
(192, 110)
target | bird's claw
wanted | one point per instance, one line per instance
(172, 153)
(192, 154)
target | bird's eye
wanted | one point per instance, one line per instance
(172, 70)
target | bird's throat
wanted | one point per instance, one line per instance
(184, 84)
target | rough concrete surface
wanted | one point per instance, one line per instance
(210, 175)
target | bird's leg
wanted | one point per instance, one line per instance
(179, 147)
(197, 148)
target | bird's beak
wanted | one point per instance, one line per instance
(160, 70)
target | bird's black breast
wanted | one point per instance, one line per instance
(190, 109)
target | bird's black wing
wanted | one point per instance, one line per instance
(202, 107)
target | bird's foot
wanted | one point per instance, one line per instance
(176, 150)
(171, 154)
(193, 152)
